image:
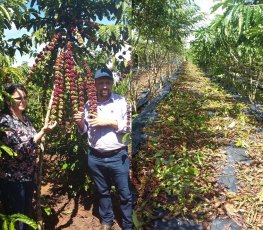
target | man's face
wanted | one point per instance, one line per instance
(104, 87)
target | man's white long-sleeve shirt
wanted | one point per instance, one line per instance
(106, 138)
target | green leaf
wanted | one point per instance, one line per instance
(8, 150)
(48, 211)
(4, 218)
(127, 136)
(40, 34)
(216, 7)
(12, 226)
(65, 165)
(240, 21)
(5, 225)
(32, 3)
(23, 218)
(5, 12)
(2, 73)
(135, 220)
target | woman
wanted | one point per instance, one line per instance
(17, 172)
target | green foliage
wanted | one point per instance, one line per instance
(160, 31)
(106, 31)
(123, 86)
(65, 15)
(13, 12)
(231, 46)
(164, 22)
(9, 221)
(69, 149)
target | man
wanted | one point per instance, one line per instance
(108, 156)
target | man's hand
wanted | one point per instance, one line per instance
(95, 120)
(79, 119)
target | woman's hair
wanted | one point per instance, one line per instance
(10, 89)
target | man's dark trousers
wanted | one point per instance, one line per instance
(104, 169)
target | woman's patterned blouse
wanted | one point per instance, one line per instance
(18, 136)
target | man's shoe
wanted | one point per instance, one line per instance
(105, 227)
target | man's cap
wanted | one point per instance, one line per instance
(104, 72)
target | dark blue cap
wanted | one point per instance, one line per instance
(104, 72)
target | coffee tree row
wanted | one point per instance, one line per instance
(230, 47)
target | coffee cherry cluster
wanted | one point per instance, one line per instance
(79, 37)
(58, 93)
(69, 87)
(91, 90)
(44, 56)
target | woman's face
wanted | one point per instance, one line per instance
(19, 103)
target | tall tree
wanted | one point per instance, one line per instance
(160, 30)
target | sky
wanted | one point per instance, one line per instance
(205, 6)
(14, 33)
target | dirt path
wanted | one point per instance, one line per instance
(77, 213)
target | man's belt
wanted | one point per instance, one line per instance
(110, 153)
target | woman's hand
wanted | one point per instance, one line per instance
(49, 127)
